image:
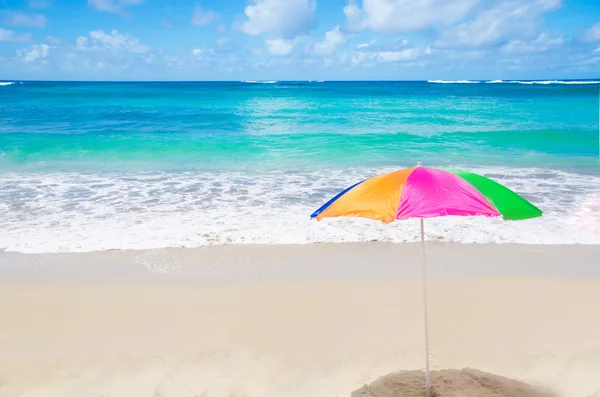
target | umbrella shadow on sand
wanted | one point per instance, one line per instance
(465, 382)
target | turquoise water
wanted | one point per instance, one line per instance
(78, 155)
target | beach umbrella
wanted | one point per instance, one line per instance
(423, 192)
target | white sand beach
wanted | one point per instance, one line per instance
(303, 320)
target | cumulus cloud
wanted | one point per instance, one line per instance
(279, 18)
(362, 46)
(333, 39)
(201, 17)
(593, 33)
(513, 19)
(113, 41)
(36, 52)
(8, 36)
(409, 54)
(112, 52)
(222, 41)
(53, 40)
(544, 42)
(280, 47)
(397, 16)
(113, 6)
(15, 18)
(404, 55)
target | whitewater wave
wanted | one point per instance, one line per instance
(260, 81)
(528, 82)
(4, 83)
(74, 212)
(453, 81)
(556, 82)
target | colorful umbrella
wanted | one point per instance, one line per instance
(422, 192)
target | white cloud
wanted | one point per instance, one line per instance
(401, 41)
(115, 41)
(8, 36)
(197, 52)
(279, 18)
(114, 6)
(53, 40)
(544, 42)
(201, 17)
(513, 19)
(366, 45)
(396, 16)
(361, 57)
(36, 52)
(593, 33)
(333, 39)
(596, 50)
(409, 54)
(113, 52)
(222, 41)
(280, 47)
(81, 42)
(405, 55)
(15, 18)
(39, 3)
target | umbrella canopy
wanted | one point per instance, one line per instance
(423, 192)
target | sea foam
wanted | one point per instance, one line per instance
(69, 211)
(542, 82)
(453, 81)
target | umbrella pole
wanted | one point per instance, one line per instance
(427, 378)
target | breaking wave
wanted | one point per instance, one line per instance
(543, 82)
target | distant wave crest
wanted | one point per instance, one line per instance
(545, 82)
(260, 81)
(3, 83)
(453, 81)
(529, 82)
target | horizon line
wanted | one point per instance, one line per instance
(282, 81)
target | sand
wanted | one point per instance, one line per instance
(252, 321)
(466, 382)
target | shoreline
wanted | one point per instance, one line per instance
(253, 263)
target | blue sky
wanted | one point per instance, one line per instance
(299, 39)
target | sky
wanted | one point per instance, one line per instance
(299, 39)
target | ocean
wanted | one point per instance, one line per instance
(90, 166)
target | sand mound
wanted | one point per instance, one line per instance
(448, 383)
